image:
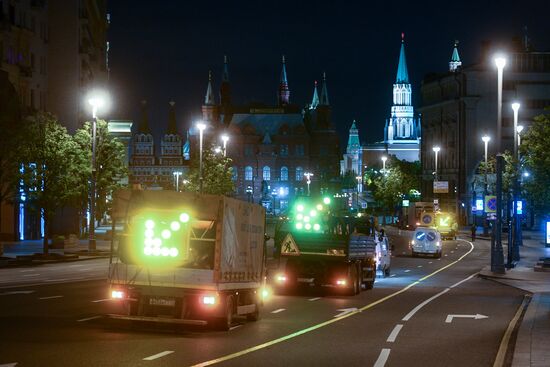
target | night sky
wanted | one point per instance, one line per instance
(162, 51)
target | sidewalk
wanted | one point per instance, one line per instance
(532, 345)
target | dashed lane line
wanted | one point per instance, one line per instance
(50, 297)
(235, 327)
(394, 333)
(101, 300)
(314, 299)
(331, 321)
(406, 271)
(158, 355)
(382, 358)
(31, 275)
(89, 318)
(278, 310)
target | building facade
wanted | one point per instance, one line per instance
(402, 132)
(460, 106)
(353, 157)
(274, 147)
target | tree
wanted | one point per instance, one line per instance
(51, 166)
(110, 165)
(217, 174)
(536, 159)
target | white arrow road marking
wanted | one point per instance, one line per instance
(15, 292)
(314, 299)
(278, 310)
(89, 318)
(394, 332)
(51, 297)
(449, 318)
(345, 311)
(158, 355)
(382, 358)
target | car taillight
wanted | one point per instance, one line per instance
(117, 294)
(341, 282)
(209, 300)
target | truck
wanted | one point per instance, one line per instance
(317, 248)
(187, 258)
(413, 214)
(446, 225)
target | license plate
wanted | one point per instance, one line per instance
(169, 302)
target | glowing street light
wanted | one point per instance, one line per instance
(436, 150)
(308, 181)
(384, 159)
(177, 175)
(225, 139)
(97, 100)
(201, 126)
(486, 139)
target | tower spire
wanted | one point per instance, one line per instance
(172, 126)
(284, 91)
(324, 92)
(315, 99)
(225, 88)
(455, 62)
(402, 72)
(209, 97)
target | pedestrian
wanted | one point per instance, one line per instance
(473, 232)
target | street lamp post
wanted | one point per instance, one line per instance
(225, 139)
(308, 181)
(516, 223)
(177, 175)
(519, 129)
(384, 159)
(436, 150)
(201, 126)
(500, 63)
(96, 101)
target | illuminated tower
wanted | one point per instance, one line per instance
(455, 62)
(284, 91)
(401, 125)
(209, 108)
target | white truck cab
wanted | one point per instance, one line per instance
(426, 240)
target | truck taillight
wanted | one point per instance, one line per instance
(341, 282)
(208, 300)
(117, 294)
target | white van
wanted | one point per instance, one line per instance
(383, 253)
(426, 240)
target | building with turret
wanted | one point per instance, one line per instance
(402, 132)
(352, 157)
(273, 146)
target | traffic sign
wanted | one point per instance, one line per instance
(490, 204)
(427, 219)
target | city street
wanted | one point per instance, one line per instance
(436, 311)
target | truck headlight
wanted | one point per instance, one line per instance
(117, 294)
(208, 300)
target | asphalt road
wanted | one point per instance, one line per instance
(54, 319)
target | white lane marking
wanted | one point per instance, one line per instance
(101, 300)
(394, 332)
(158, 355)
(450, 318)
(57, 280)
(392, 275)
(429, 262)
(15, 292)
(75, 265)
(345, 311)
(236, 326)
(26, 270)
(84, 269)
(31, 275)
(445, 255)
(89, 318)
(314, 299)
(50, 297)
(419, 266)
(406, 271)
(278, 310)
(382, 358)
(415, 310)
(452, 252)
(9, 364)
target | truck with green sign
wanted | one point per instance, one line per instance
(323, 247)
(188, 258)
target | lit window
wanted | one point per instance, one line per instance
(284, 174)
(266, 173)
(248, 173)
(299, 173)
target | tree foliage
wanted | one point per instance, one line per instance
(51, 164)
(536, 159)
(110, 165)
(217, 174)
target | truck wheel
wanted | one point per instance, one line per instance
(387, 272)
(369, 284)
(227, 320)
(359, 277)
(413, 254)
(353, 280)
(254, 316)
